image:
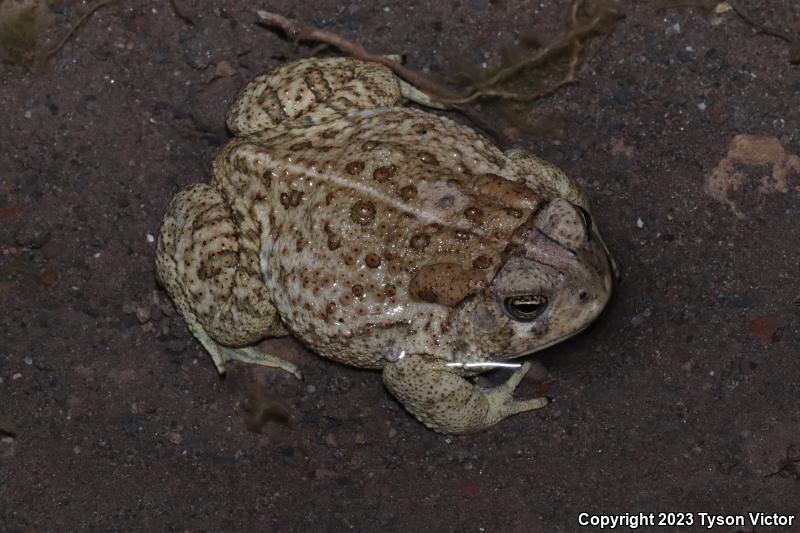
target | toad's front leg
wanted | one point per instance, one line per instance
(447, 402)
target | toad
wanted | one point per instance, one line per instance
(384, 237)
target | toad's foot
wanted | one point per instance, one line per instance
(501, 401)
(447, 402)
(221, 354)
(248, 354)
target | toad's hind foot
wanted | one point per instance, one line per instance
(249, 354)
(221, 353)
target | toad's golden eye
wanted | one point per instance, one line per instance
(525, 308)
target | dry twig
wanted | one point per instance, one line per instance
(302, 32)
(748, 18)
(75, 27)
(573, 40)
(792, 40)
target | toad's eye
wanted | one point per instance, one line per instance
(525, 308)
(587, 219)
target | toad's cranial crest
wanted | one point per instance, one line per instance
(383, 237)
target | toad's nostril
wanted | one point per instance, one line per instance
(582, 294)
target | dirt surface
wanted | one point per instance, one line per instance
(683, 397)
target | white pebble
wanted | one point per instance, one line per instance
(702, 106)
(639, 222)
(28, 360)
(150, 238)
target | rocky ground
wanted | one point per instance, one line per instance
(682, 128)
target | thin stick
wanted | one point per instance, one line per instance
(748, 18)
(302, 32)
(75, 27)
(573, 37)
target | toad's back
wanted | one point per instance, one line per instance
(357, 206)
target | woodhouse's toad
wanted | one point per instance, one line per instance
(383, 237)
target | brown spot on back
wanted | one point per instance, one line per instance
(482, 262)
(368, 146)
(334, 241)
(419, 241)
(473, 214)
(385, 173)
(428, 158)
(362, 212)
(330, 309)
(354, 167)
(373, 260)
(462, 235)
(295, 197)
(296, 147)
(409, 192)
(266, 178)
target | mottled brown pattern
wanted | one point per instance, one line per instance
(362, 225)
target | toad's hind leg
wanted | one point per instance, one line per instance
(210, 267)
(314, 90)
(447, 402)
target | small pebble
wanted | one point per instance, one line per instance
(150, 238)
(330, 440)
(28, 360)
(143, 314)
(639, 222)
(173, 437)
